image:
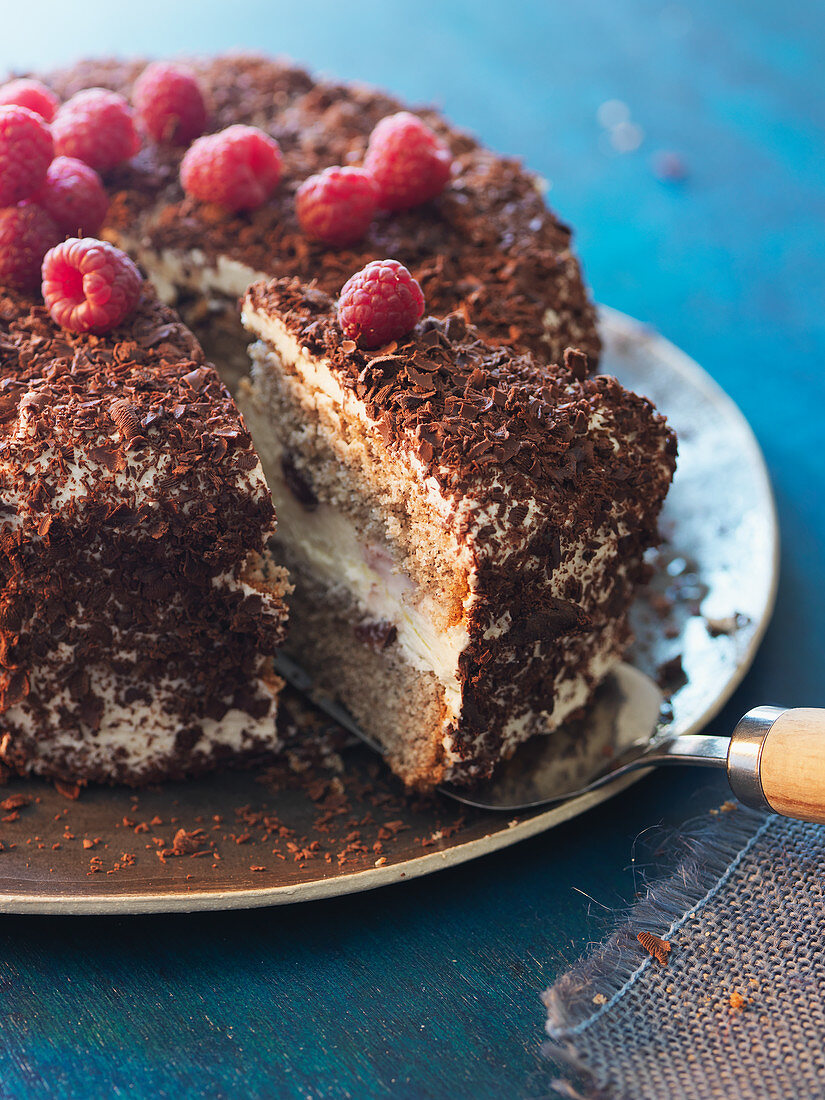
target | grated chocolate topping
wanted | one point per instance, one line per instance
(480, 418)
(488, 246)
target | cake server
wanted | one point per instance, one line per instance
(774, 758)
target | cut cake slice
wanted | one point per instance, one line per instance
(139, 609)
(464, 527)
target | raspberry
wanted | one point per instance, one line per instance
(337, 205)
(32, 94)
(407, 160)
(238, 168)
(379, 303)
(169, 103)
(26, 151)
(74, 196)
(26, 234)
(89, 285)
(97, 127)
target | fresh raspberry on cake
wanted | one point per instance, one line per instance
(336, 206)
(169, 104)
(26, 149)
(237, 168)
(453, 242)
(89, 285)
(74, 195)
(26, 234)
(379, 303)
(407, 160)
(97, 127)
(32, 94)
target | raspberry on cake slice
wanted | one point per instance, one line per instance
(139, 608)
(463, 526)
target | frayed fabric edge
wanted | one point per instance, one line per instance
(709, 853)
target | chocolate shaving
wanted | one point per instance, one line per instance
(126, 418)
(658, 948)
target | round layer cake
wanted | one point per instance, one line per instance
(487, 246)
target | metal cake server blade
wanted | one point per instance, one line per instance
(775, 758)
(622, 730)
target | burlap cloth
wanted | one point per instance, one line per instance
(739, 1009)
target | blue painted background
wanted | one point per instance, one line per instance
(431, 989)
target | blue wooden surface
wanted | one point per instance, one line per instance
(431, 989)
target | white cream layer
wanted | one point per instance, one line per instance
(170, 270)
(143, 735)
(83, 478)
(341, 557)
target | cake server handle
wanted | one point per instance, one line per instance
(776, 761)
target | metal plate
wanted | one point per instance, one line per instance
(330, 819)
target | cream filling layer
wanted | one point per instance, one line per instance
(170, 270)
(338, 553)
(340, 556)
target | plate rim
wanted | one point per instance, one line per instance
(684, 365)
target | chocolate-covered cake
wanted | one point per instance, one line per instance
(139, 608)
(464, 527)
(487, 246)
(464, 520)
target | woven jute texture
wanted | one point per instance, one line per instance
(739, 1009)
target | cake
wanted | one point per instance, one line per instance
(139, 607)
(464, 526)
(463, 513)
(488, 246)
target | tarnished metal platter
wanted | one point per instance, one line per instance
(330, 819)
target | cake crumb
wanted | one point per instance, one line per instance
(15, 802)
(669, 167)
(185, 844)
(737, 1001)
(727, 625)
(600, 999)
(68, 790)
(670, 675)
(655, 946)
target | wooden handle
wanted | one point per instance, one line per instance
(792, 767)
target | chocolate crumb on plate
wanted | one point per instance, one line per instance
(655, 946)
